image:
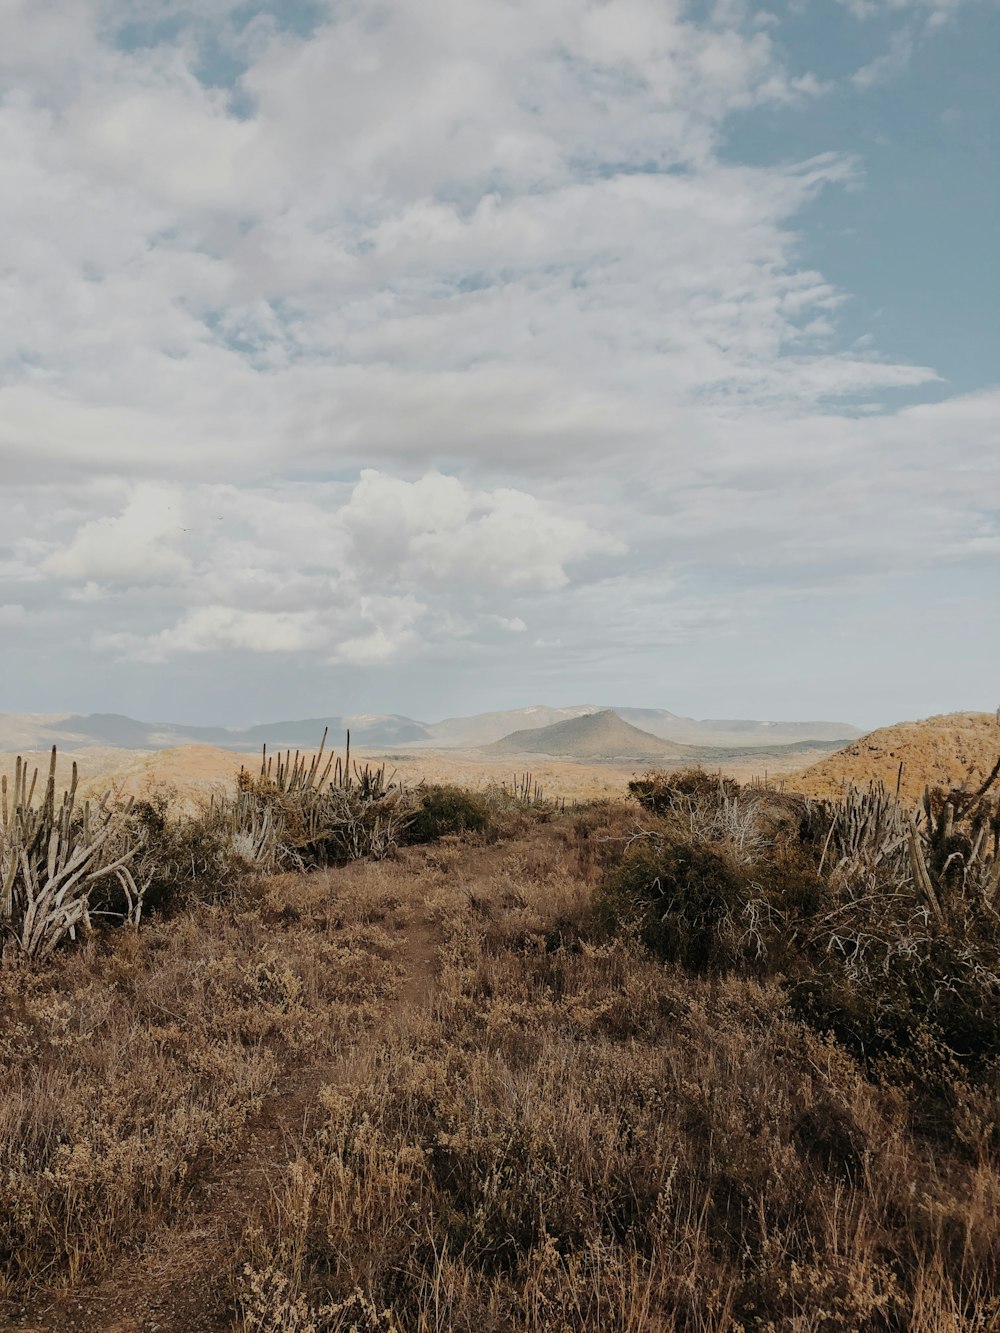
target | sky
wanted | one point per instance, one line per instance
(437, 356)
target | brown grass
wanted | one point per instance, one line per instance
(474, 1112)
(577, 1138)
(137, 1063)
(944, 751)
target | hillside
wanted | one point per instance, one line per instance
(944, 751)
(601, 735)
(275, 1104)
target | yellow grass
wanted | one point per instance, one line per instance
(944, 751)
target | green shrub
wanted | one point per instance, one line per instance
(446, 809)
(688, 902)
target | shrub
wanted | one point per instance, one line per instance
(188, 856)
(689, 903)
(295, 814)
(886, 932)
(886, 981)
(660, 792)
(445, 809)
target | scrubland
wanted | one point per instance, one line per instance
(710, 1059)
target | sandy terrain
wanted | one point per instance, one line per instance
(196, 770)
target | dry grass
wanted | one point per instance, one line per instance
(136, 1062)
(485, 1115)
(195, 771)
(575, 1137)
(944, 751)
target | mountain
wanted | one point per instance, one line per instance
(71, 731)
(602, 735)
(35, 731)
(371, 729)
(484, 728)
(727, 732)
(943, 751)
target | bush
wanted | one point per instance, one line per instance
(446, 809)
(660, 792)
(887, 985)
(185, 856)
(688, 902)
(886, 934)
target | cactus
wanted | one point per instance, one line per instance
(323, 808)
(952, 840)
(53, 855)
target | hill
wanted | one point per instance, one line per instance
(484, 728)
(373, 1053)
(601, 735)
(942, 751)
(726, 733)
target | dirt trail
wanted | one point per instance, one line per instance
(171, 1283)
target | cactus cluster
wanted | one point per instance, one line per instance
(299, 810)
(54, 855)
(951, 839)
(525, 790)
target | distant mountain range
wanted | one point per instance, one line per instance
(34, 731)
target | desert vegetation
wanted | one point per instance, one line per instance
(712, 1058)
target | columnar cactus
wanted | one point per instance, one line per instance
(53, 855)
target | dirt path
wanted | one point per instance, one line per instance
(171, 1282)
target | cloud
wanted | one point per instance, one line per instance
(435, 530)
(356, 575)
(138, 545)
(433, 329)
(543, 250)
(890, 64)
(919, 20)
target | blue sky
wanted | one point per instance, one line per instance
(439, 357)
(914, 245)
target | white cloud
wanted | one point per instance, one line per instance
(330, 280)
(463, 327)
(212, 628)
(138, 545)
(937, 11)
(434, 530)
(888, 65)
(355, 575)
